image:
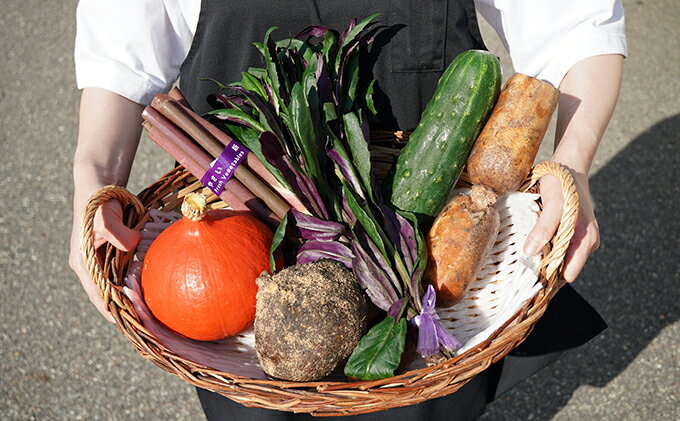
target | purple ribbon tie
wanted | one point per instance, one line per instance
(223, 167)
(431, 334)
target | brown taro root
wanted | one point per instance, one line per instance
(459, 242)
(309, 318)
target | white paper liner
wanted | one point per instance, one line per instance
(507, 280)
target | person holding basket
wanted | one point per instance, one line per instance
(127, 52)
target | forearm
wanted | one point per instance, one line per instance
(108, 135)
(109, 131)
(589, 92)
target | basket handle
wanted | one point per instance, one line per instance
(553, 260)
(87, 248)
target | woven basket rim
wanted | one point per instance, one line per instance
(321, 398)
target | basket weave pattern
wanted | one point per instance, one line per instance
(108, 267)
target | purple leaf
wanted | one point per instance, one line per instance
(268, 111)
(220, 99)
(378, 258)
(313, 31)
(366, 130)
(402, 235)
(313, 194)
(323, 83)
(340, 157)
(293, 66)
(311, 251)
(232, 119)
(319, 66)
(363, 28)
(271, 97)
(351, 219)
(229, 101)
(311, 228)
(373, 278)
(396, 309)
(377, 291)
(303, 188)
(352, 24)
(341, 71)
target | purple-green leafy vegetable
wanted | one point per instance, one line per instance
(305, 116)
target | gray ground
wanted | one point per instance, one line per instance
(60, 360)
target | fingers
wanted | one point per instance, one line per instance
(109, 227)
(78, 265)
(549, 220)
(586, 239)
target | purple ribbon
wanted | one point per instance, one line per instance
(223, 167)
(431, 334)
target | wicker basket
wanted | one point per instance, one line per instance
(108, 267)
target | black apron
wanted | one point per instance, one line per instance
(407, 58)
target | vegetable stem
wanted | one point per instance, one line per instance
(251, 161)
(197, 162)
(174, 112)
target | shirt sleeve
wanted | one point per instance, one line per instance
(545, 38)
(133, 47)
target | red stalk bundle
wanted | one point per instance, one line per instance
(251, 161)
(194, 142)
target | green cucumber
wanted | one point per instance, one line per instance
(432, 160)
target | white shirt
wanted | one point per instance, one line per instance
(136, 47)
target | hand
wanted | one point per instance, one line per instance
(107, 142)
(586, 238)
(108, 227)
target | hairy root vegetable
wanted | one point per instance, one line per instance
(459, 242)
(309, 318)
(505, 150)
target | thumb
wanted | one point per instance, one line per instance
(549, 220)
(109, 226)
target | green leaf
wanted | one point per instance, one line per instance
(379, 351)
(241, 115)
(308, 53)
(329, 51)
(309, 74)
(310, 89)
(258, 72)
(415, 286)
(344, 167)
(312, 96)
(329, 112)
(352, 34)
(272, 64)
(367, 220)
(253, 84)
(350, 80)
(304, 48)
(369, 99)
(358, 146)
(215, 81)
(358, 28)
(304, 131)
(279, 235)
(260, 48)
(293, 43)
(251, 140)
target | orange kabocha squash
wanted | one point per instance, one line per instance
(199, 275)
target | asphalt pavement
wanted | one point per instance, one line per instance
(62, 361)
